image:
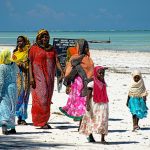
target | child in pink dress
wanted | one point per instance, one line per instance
(96, 116)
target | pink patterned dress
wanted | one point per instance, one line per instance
(76, 105)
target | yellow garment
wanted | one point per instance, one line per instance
(5, 57)
(21, 55)
(42, 31)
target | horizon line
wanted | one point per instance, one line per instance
(111, 30)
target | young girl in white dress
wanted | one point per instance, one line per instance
(96, 116)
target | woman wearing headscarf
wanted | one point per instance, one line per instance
(44, 60)
(20, 57)
(8, 92)
(79, 71)
(136, 101)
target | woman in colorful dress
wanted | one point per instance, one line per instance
(8, 92)
(96, 116)
(20, 57)
(136, 101)
(44, 60)
(76, 104)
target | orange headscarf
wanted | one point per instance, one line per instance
(86, 63)
(70, 52)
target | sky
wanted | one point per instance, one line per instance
(74, 15)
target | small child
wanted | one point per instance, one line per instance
(77, 66)
(96, 116)
(136, 101)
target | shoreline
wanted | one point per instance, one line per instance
(91, 49)
(122, 51)
(116, 61)
(122, 61)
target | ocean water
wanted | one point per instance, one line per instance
(120, 40)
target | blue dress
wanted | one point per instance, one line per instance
(8, 94)
(138, 107)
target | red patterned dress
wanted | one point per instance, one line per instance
(43, 68)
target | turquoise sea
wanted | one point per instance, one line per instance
(120, 40)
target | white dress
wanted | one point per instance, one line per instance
(95, 120)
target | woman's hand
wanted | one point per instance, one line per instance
(0, 99)
(144, 98)
(32, 83)
(62, 75)
(88, 107)
(68, 89)
(127, 101)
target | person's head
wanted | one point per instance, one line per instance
(137, 78)
(43, 38)
(22, 41)
(136, 74)
(5, 57)
(99, 72)
(83, 47)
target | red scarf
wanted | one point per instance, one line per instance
(100, 92)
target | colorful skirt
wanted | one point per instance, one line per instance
(138, 107)
(23, 96)
(95, 120)
(76, 105)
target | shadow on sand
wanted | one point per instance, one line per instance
(145, 129)
(115, 119)
(18, 142)
(66, 127)
(119, 142)
(59, 123)
(42, 132)
(117, 131)
(31, 124)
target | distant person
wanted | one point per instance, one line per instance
(8, 92)
(76, 104)
(136, 101)
(96, 116)
(43, 61)
(20, 56)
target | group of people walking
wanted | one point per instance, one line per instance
(29, 66)
(32, 69)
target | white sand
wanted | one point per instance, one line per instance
(64, 134)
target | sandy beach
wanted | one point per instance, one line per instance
(64, 134)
